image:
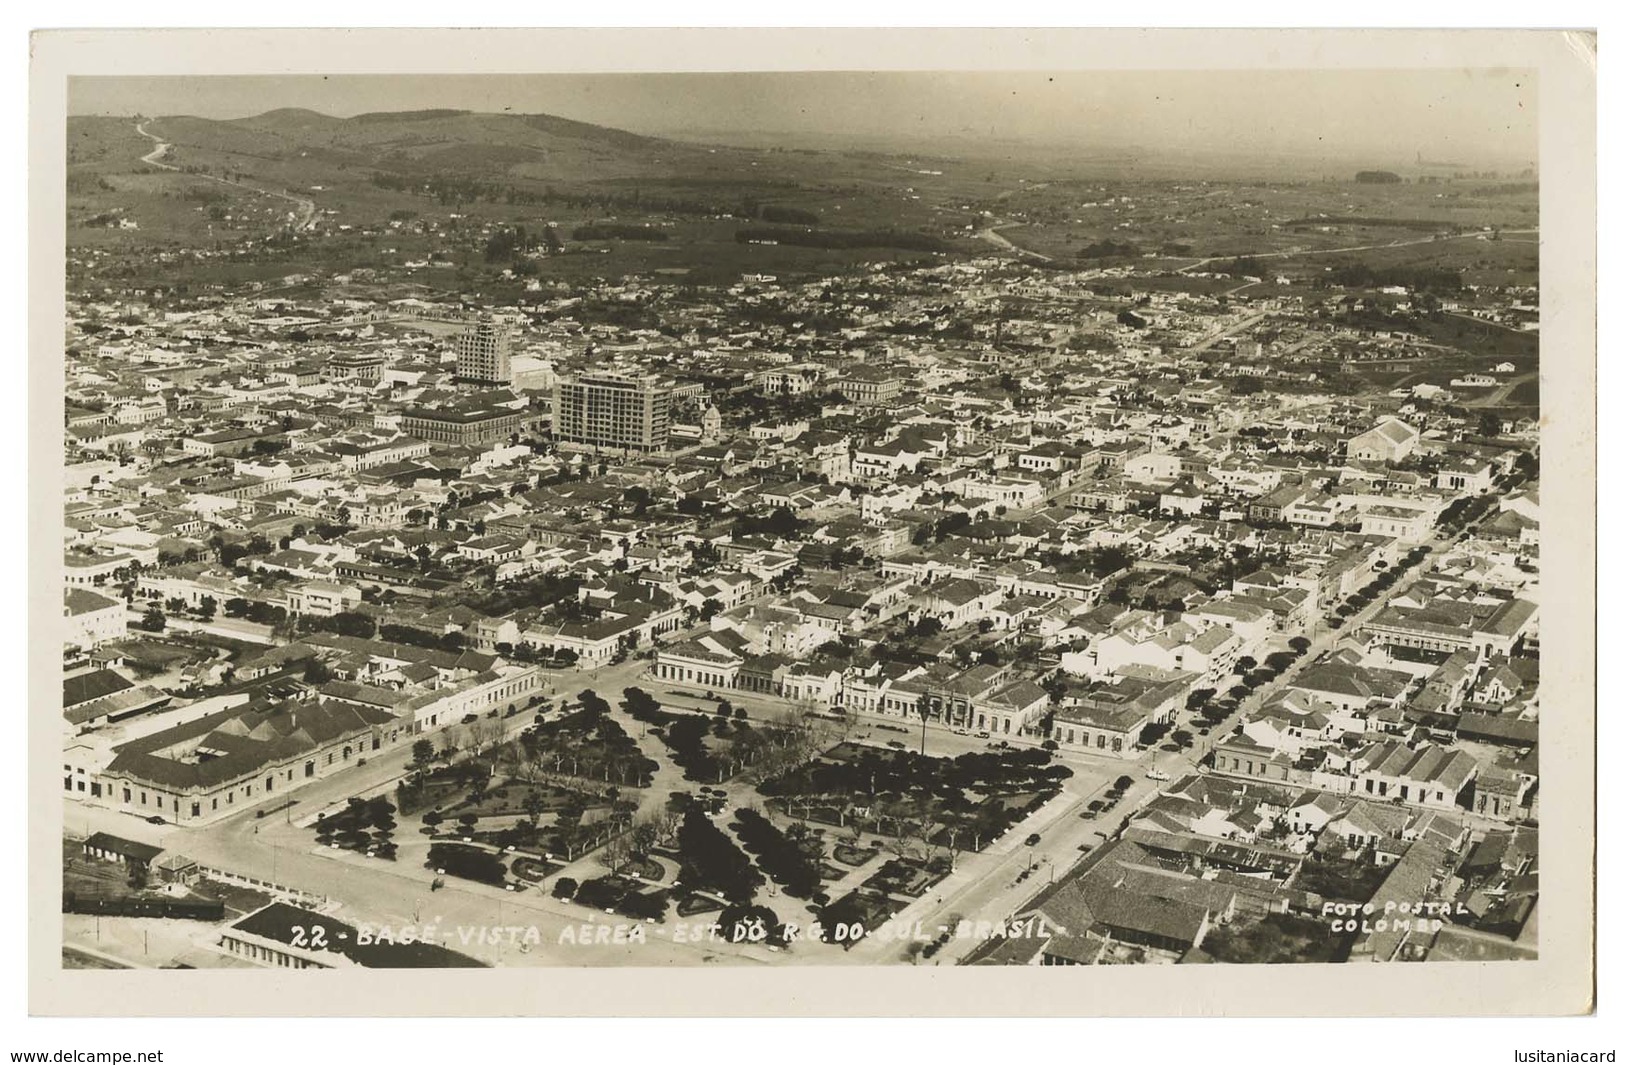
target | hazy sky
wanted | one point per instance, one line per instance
(1465, 116)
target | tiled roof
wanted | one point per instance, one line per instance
(236, 743)
(94, 685)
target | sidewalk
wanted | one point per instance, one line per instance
(980, 872)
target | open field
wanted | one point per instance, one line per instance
(452, 167)
(1201, 219)
(392, 189)
(1480, 262)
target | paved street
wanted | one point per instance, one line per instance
(397, 894)
(991, 898)
(983, 886)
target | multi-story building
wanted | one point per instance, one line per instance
(484, 352)
(92, 619)
(365, 367)
(468, 424)
(613, 410)
(870, 386)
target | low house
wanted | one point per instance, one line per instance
(106, 847)
(960, 602)
(1390, 441)
(1243, 757)
(1099, 728)
(1428, 775)
(712, 660)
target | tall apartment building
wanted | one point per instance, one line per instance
(613, 410)
(484, 352)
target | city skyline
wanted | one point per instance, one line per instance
(821, 523)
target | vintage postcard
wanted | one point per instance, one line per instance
(900, 522)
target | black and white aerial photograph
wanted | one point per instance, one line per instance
(821, 519)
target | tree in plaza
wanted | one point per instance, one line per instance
(711, 859)
(593, 704)
(1299, 644)
(618, 853)
(643, 837)
(569, 816)
(469, 862)
(1245, 664)
(153, 620)
(483, 733)
(422, 751)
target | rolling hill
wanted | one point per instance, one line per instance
(365, 166)
(308, 147)
(389, 188)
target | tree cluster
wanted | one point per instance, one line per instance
(792, 862)
(712, 860)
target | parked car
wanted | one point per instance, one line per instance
(984, 735)
(1032, 840)
(156, 820)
